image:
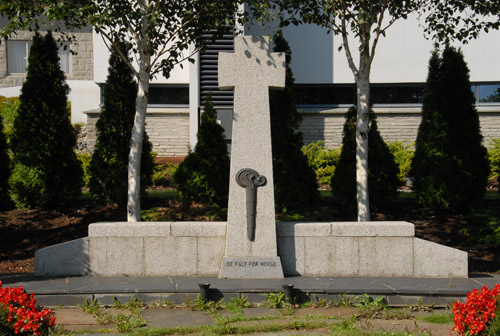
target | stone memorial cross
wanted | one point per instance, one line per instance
(251, 243)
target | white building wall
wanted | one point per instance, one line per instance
(179, 75)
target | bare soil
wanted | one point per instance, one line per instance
(22, 232)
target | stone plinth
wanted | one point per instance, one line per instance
(251, 70)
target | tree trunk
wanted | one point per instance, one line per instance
(134, 158)
(362, 123)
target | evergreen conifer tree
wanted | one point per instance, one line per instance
(204, 175)
(450, 167)
(4, 170)
(46, 171)
(383, 171)
(108, 168)
(295, 184)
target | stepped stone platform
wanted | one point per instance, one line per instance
(360, 249)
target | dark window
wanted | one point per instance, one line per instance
(163, 95)
(168, 95)
(345, 94)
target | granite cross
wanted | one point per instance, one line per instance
(251, 240)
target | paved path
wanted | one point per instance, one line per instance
(71, 291)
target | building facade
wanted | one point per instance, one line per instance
(324, 84)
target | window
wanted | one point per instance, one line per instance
(18, 51)
(382, 94)
(163, 95)
(345, 94)
(486, 93)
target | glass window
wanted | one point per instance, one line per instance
(18, 51)
(17, 55)
(161, 95)
(488, 93)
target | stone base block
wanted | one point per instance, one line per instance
(374, 249)
(251, 268)
(66, 259)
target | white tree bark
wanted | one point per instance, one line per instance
(134, 158)
(362, 128)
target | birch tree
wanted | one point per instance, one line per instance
(367, 21)
(160, 31)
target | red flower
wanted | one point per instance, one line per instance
(22, 314)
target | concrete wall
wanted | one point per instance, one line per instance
(167, 128)
(310, 249)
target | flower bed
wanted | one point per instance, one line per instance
(19, 314)
(480, 314)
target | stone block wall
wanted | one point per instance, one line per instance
(167, 128)
(395, 124)
(82, 67)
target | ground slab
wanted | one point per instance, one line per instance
(71, 291)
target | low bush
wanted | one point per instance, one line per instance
(494, 158)
(403, 154)
(322, 160)
(4, 169)
(85, 159)
(19, 314)
(8, 112)
(163, 174)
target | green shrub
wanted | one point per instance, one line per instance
(450, 168)
(204, 175)
(403, 154)
(383, 180)
(4, 169)
(85, 159)
(295, 185)
(163, 174)
(322, 160)
(8, 111)
(46, 172)
(109, 165)
(494, 157)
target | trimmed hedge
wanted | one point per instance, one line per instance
(450, 168)
(46, 172)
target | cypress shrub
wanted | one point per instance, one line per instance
(383, 171)
(108, 167)
(295, 185)
(450, 168)
(46, 172)
(4, 170)
(204, 175)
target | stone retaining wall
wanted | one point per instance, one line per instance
(167, 128)
(378, 249)
(394, 123)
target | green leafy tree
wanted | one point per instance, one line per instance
(4, 169)
(204, 175)
(108, 167)
(295, 185)
(382, 169)
(46, 172)
(450, 168)
(162, 34)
